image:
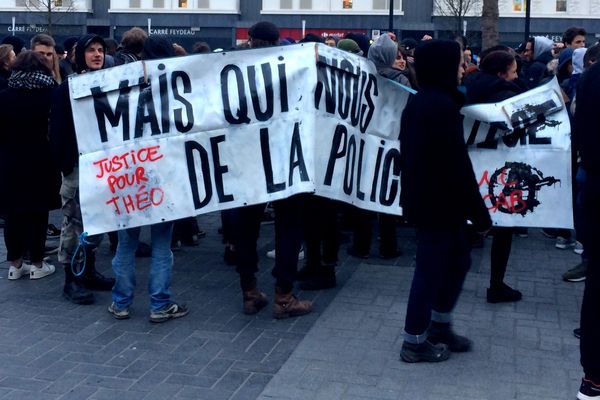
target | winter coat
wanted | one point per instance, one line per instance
(586, 130)
(29, 179)
(4, 75)
(383, 54)
(487, 88)
(439, 189)
(537, 71)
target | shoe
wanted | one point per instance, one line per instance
(322, 279)
(49, 250)
(588, 390)
(521, 232)
(503, 294)
(443, 333)
(287, 305)
(577, 333)
(143, 250)
(354, 253)
(424, 352)
(77, 293)
(578, 248)
(15, 273)
(40, 272)
(254, 301)
(577, 273)
(97, 281)
(271, 254)
(118, 313)
(52, 232)
(564, 243)
(550, 233)
(170, 311)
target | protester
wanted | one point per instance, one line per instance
(16, 42)
(201, 48)
(331, 41)
(44, 45)
(162, 308)
(131, 47)
(89, 56)
(67, 64)
(7, 57)
(494, 83)
(431, 139)
(28, 190)
(538, 53)
(585, 129)
(350, 46)
(574, 37)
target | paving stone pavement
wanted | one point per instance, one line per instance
(347, 349)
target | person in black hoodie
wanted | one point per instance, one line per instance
(585, 129)
(89, 56)
(439, 194)
(494, 82)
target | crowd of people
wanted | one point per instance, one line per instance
(38, 126)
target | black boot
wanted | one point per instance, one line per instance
(324, 278)
(74, 291)
(443, 333)
(92, 279)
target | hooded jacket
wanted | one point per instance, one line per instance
(439, 189)
(537, 71)
(63, 140)
(483, 87)
(383, 54)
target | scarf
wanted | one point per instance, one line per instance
(30, 80)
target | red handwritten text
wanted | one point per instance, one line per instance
(127, 160)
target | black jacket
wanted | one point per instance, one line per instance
(29, 180)
(439, 189)
(586, 130)
(487, 88)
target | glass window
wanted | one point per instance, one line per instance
(519, 5)
(58, 3)
(347, 4)
(183, 3)
(561, 5)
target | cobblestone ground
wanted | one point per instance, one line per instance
(347, 349)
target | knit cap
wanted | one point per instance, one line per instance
(350, 46)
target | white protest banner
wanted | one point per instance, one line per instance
(521, 154)
(162, 140)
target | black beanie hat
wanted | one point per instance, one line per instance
(264, 30)
(70, 42)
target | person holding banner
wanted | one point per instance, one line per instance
(432, 144)
(89, 56)
(494, 82)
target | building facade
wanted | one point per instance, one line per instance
(223, 23)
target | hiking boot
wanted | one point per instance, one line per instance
(77, 294)
(40, 272)
(577, 273)
(97, 281)
(254, 301)
(424, 352)
(564, 243)
(588, 390)
(287, 305)
(118, 313)
(170, 311)
(321, 279)
(443, 333)
(503, 294)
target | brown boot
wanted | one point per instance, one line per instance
(287, 305)
(254, 301)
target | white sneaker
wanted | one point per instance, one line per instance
(40, 272)
(271, 254)
(578, 249)
(15, 273)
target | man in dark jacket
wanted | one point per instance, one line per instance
(538, 53)
(439, 194)
(586, 129)
(89, 56)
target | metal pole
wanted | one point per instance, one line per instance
(527, 18)
(391, 17)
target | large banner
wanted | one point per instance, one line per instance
(166, 139)
(521, 154)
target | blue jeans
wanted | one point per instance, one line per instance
(159, 279)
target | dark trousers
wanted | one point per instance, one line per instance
(590, 323)
(501, 246)
(26, 232)
(580, 218)
(443, 259)
(320, 231)
(363, 232)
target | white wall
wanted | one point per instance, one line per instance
(215, 6)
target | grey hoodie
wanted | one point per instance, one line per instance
(383, 54)
(542, 45)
